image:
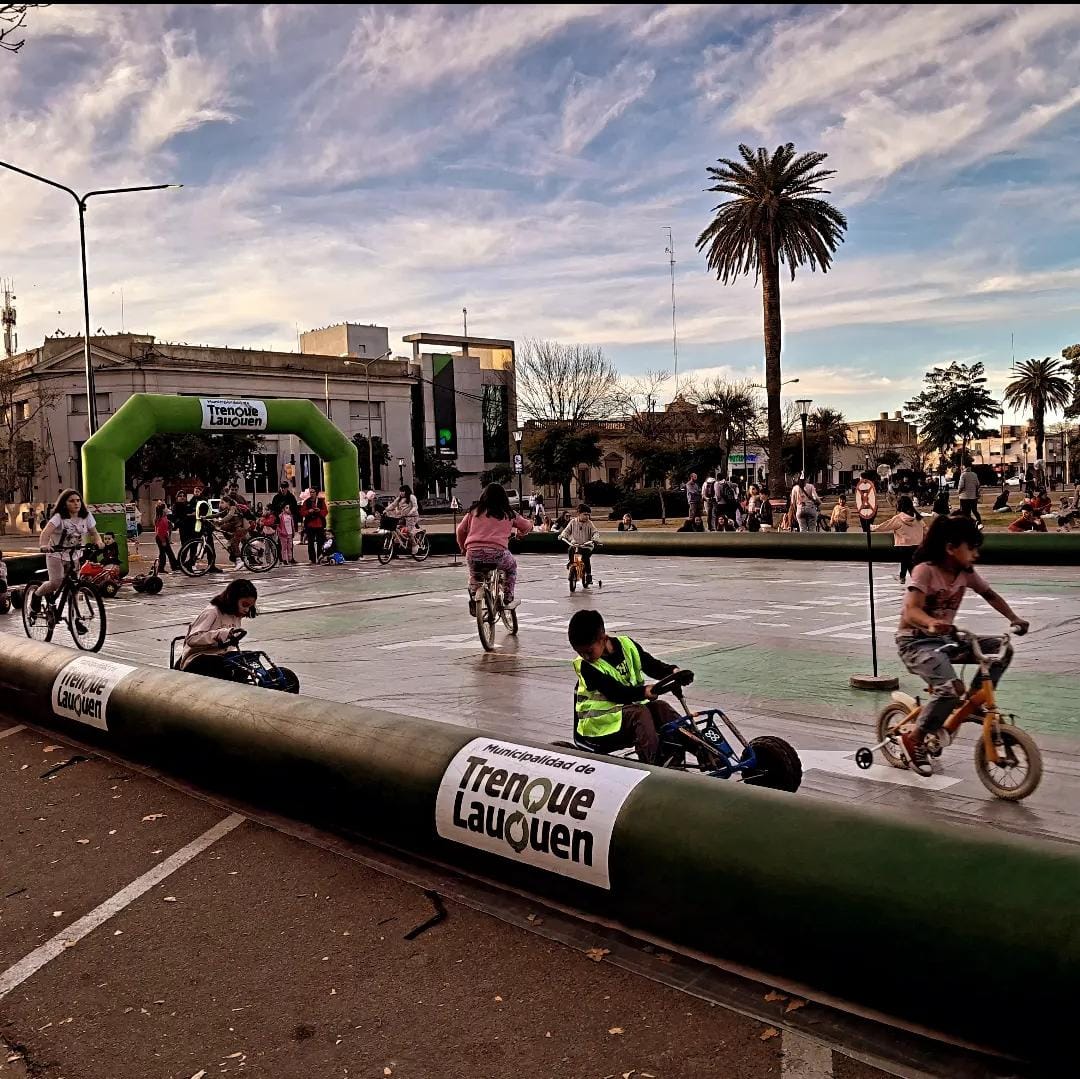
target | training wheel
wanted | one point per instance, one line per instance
(864, 758)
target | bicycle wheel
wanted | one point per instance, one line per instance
(485, 618)
(572, 578)
(889, 723)
(386, 552)
(1021, 771)
(38, 625)
(194, 558)
(421, 547)
(259, 554)
(86, 618)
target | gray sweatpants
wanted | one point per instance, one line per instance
(921, 656)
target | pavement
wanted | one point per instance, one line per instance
(268, 951)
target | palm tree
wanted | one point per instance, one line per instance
(772, 218)
(1040, 386)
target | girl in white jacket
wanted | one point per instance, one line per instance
(908, 529)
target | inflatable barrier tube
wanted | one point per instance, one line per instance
(971, 934)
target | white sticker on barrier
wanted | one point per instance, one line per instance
(232, 414)
(546, 809)
(82, 689)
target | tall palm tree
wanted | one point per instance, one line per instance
(772, 218)
(1041, 386)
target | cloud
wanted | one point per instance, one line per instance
(594, 103)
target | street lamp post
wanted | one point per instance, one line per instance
(80, 201)
(401, 470)
(519, 466)
(760, 386)
(366, 365)
(804, 412)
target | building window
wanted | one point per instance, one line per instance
(358, 410)
(310, 471)
(77, 403)
(264, 473)
(496, 423)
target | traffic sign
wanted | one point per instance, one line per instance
(866, 499)
(454, 503)
(518, 464)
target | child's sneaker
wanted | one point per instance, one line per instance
(916, 753)
(511, 603)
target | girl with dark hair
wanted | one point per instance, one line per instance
(217, 628)
(945, 569)
(908, 529)
(483, 536)
(72, 525)
(405, 508)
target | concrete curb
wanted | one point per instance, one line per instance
(818, 894)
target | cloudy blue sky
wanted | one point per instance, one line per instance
(393, 164)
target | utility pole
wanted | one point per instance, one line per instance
(670, 249)
(7, 320)
(465, 319)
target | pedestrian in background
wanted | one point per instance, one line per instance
(908, 530)
(839, 518)
(968, 490)
(286, 529)
(805, 502)
(314, 513)
(708, 494)
(693, 496)
(163, 534)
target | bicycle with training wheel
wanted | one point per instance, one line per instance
(1007, 760)
(575, 571)
(258, 553)
(399, 537)
(491, 609)
(74, 603)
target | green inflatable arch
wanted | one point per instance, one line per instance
(144, 415)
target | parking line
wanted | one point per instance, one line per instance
(29, 965)
(12, 730)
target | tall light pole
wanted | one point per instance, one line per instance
(762, 386)
(519, 465)
(401, 470)
(804, 412)
(366, 365)
(80, 201)
(670, 250)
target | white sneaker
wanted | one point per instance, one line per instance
(512, 604)
(239, 565)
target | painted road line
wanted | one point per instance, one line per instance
(803, 1058)
(754, 610)
(711, 620)
(842, 764)
(12, 730)
(26, 967)
(775, 625)
(833, 629)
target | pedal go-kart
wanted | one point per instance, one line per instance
(249, 668)
(762, 762)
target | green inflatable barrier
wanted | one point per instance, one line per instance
(144, 415)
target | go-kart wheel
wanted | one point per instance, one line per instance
(16, 598)
(778, 765)
(290, 683)
(153, 585)
(110, 589)
(864, 758)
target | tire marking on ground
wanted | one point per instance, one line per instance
(29, 965)
(12, 730)
(843, 764)
(804, 1058)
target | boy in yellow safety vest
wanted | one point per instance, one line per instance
(613, 707)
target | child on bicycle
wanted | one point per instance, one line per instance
(483, 536)
(945, 569)
(581, 534)
(613, 707)
(72, 525)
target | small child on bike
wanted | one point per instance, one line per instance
(581, 534)
(945, 569)
(483, 536)
(613, 707)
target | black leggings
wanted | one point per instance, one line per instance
(907, 556)
(211, 666)
(316, 537)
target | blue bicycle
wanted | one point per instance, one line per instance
(766, 761)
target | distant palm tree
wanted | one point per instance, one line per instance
(772, 218)
(1040, 386)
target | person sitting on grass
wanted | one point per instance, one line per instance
(613, 707)
(1001, 503)
(627, 524)
(1028, 521)
(692, 524)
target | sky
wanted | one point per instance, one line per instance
(394, 164)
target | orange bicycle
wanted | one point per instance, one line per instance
(1007, 760)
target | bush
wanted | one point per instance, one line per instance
(645, 504)
(600, 493)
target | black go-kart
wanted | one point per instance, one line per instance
(248, 668)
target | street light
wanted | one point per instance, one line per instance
(366, 365)
(761, 386)
(804, 411)
(80, 201)
(519, 465)
(401, 470)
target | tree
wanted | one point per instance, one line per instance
(496, 474)
(380, 455)
(573, 384)
(772, 218)
(21, 455)
(952, 407)
(215, 459)
(731, 412)
(1041, 386)
(826, 430)
(555, 452)
(1071, 355)
(12, 18)
(651, 441)
(434, 469)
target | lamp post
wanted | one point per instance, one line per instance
(760, 386)
(519, 465)
(366, 365)
(401, 470)
(80, 201)
(1003, 449)
(804, 412)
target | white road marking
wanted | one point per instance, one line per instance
(29, 965)
(754, 610)
(841, 763)
(12, 730)
(710, 620)
(776, 625)
(803, 1058)
(833, 629)
(789, 607)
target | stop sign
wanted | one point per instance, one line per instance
(866, 499)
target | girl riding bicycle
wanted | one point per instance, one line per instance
(72, 525)
(945, 570)
(483, 537)
(217, 628)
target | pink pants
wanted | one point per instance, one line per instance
(286, 546)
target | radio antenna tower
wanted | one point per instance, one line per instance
(7, 320)
(670, 249)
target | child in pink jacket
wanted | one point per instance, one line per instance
(483, 536)
(286, 527)
(908, 529)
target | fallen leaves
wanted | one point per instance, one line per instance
(773, 995)
(597, 954)
(153, 816)
(615, 1030)
(169, 899)
(770, 1032)
(794, 1006)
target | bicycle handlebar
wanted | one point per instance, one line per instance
(966, 637)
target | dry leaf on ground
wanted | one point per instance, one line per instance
(772, 1032)
(615, 1030)
(596, 954)
(774, 995)
(153, 816)
(794, 1006)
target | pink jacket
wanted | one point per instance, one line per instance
(483, 531)
(908, 531)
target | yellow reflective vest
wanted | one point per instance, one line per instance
(594, 715)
